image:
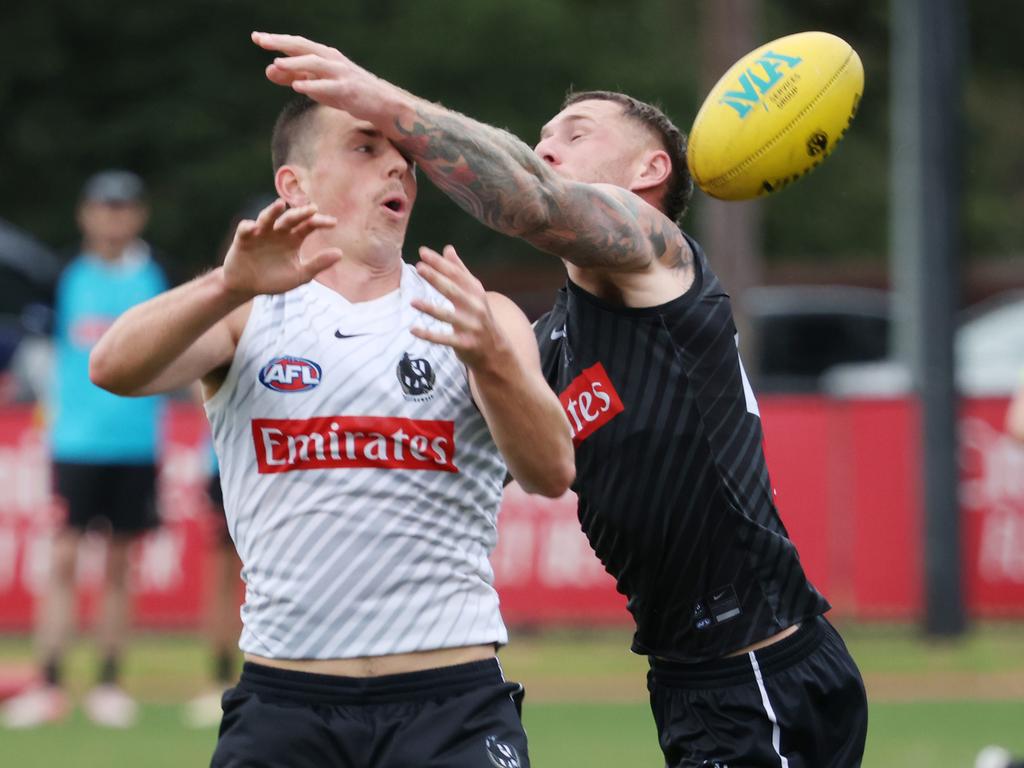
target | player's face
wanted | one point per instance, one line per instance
(111, 225)
(362, 179)
(593, 142)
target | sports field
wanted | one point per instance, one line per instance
(932, 704)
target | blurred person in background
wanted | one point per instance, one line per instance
(104, 451)
(994, 756)
(1015, 414)
(223, 620)
(673, 487)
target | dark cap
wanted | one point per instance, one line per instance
(114, 187)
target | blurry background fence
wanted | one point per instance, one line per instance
(842, 469)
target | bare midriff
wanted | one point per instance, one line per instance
(766, 642)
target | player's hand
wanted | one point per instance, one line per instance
(475, 336)
(264, 256)
(322, 73)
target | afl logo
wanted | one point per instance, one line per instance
(416, 377)
(290, 374)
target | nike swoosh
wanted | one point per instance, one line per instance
(558, 333)
(340, 335)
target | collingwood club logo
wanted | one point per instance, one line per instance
(416, 376)
(502, 755)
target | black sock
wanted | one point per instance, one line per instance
(52, 671)
(110, 670)
(224, 666)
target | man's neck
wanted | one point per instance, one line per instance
(105, 249)
(363, 280)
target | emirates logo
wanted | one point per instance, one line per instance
(353, 442)
(590, 402)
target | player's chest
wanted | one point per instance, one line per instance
(326, 372)
(616, 389)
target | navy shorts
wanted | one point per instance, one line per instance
(798, 703)
(463, 716)
(122, 496)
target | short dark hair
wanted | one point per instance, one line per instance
(292, 130)
(673, 141)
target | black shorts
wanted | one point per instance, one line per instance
(799, 703)
(121, 495)
(464, 716)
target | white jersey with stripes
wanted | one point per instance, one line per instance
(361, 483)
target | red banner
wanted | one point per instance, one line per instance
(846, 480)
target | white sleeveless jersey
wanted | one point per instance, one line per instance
(361, 484)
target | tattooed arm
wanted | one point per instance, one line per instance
(488, 172)
(503, 183)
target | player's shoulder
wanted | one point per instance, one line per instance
(500, 303)
(547, 327)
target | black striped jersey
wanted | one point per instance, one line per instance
(673, 488)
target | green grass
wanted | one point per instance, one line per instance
(899, 648)
(585, 702)
(940, 734)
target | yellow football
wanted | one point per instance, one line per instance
(776, 114)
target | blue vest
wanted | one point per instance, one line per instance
(88, 424)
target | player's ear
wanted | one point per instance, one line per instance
(290, 183)
(655, 168)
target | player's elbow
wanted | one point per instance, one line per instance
(555, 479)
(106, 374)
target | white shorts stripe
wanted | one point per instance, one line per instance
(776, 731)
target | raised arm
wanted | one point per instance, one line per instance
(190, 331)
(492, 336)
(490, 173)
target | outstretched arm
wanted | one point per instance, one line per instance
(490, 173)
(492, 336)
(186, 333)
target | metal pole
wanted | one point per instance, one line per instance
(926, 242)
(731, 232)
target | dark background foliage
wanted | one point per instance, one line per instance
(175, 91)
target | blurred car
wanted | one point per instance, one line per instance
(28, 273)
(988, 357)
(802, 331)
(989, 346)
(836, 340)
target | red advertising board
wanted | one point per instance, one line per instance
(846, 480)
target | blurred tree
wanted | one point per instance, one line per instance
(176, 92)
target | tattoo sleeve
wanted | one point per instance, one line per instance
(500, 181)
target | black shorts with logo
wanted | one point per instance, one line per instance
(463, 716)
(798, 703)
(122, 495)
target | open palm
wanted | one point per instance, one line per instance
(264, 256)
